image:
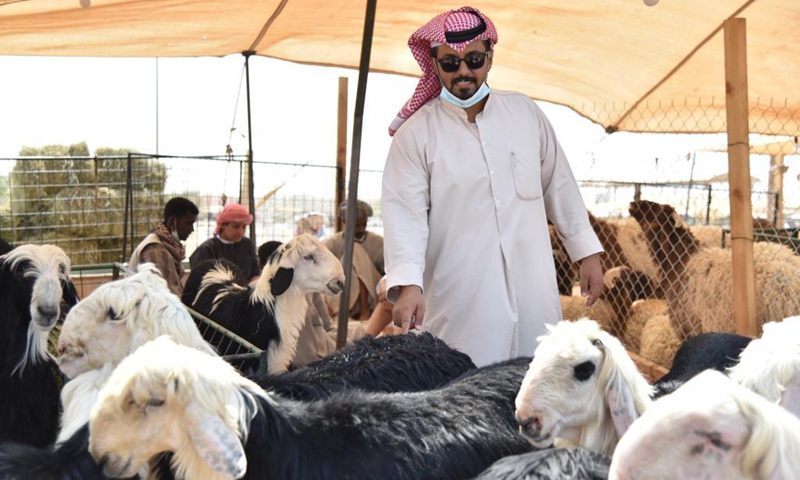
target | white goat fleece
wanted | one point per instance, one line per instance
(120, 316)
(107, 326)
(581, 388)
(200, 419)
(78, 397)
(770, 365)
(711, 428)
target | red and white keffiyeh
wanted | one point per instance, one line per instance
(460, 20)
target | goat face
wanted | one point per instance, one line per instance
(561, 385)
(168, 397)
(313, 267)
(43, 273)
(106, 326)
(698, 431)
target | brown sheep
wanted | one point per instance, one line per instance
(698, 281)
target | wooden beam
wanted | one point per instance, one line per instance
(341, 152)
(738, 115)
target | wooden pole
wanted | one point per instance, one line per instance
(736, 106)
(775, 206)
(341, 152)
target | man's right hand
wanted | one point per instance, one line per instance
(409, 310)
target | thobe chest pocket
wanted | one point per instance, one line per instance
(527, 175)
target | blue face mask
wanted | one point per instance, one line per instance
(477, 97)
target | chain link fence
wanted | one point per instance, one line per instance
(667, 242)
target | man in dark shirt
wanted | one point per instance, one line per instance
(230, 243)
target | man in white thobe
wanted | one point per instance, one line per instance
(470, 181)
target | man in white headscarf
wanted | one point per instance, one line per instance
(472, 177)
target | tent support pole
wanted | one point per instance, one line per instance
(251, 198)
(738, 115)
(352, 192)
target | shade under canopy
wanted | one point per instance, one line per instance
(619, 63)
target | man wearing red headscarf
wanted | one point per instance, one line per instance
(472, 177)
(230, 243)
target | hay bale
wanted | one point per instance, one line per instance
(86, 212)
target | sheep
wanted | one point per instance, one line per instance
(698, 281)
(574, 307)
(770, 365)
(548, 464)
(659, 341)
(109, 324)
(581, 387)
(397, 363)
(634, 298)
(271, 314)
(166, 397)
(716, 350)
(710, 428)
(34, 280)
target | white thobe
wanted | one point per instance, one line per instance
(465, 209)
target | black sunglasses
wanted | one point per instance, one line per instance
(474, 61)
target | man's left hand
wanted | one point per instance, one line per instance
(591, 278)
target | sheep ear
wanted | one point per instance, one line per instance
(216, 443)
(620, 402)
(281, 280)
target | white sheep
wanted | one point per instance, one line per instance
(581, 387)
(770, 365)
(166, 397)
(271, 314)
(108, 325)
(713, 429)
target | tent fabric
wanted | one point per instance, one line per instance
(619, 63)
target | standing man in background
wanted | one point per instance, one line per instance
(230, 243)
(471, 179)
(163, 246)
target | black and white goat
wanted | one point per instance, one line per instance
(271, 314)
(34, 280)
(582, 388)
(550, 464)
(167, 397)
(710, 428)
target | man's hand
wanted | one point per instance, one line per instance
(409, 310)
(591, 278)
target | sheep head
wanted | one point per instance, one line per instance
(34, 279)
(45, 270)
(168, 397)
(120, 316)
(709, 428)
(666, 233)
(581, 386)
(304, 264)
